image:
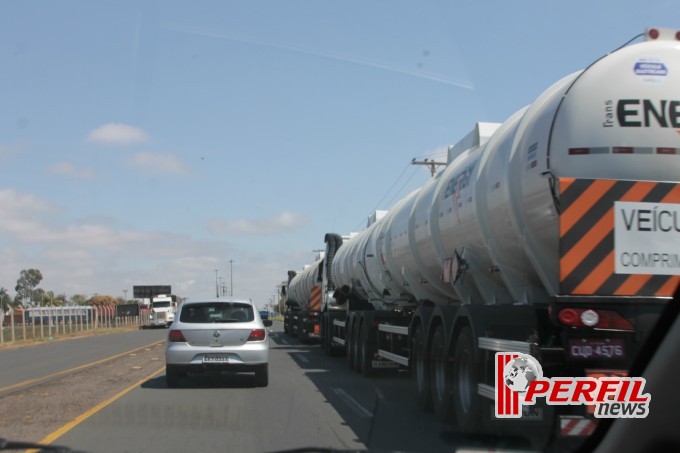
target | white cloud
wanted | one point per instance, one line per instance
(272, 225)
(21, 213)
(99, 256)
(159, 163)
(69, 170)
(117, 134)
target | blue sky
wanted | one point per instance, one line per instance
(150, 142)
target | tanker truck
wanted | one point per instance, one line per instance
(554, 234)
(303, 302)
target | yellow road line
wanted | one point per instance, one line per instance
(90, 412)
(78, 368)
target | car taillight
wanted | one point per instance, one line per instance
(257, 335)
(597, 319)
(176, 336)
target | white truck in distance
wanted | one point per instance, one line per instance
(554, 234)
(163, 308)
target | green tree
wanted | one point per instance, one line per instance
(38, 297)
(27, 281)
(48, 298)
(60, 300)
(5, 300)
(101, 299)
(78, 299)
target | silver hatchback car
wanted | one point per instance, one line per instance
(217, 334)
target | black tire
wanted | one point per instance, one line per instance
(466, 401)
(172, 376)
(356, 346)
(440, 376)
(421, 369)
(365, 344)
(300, 332)
(262, 376)
(349, 332)
(323, 340)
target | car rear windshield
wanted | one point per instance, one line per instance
(211, 312)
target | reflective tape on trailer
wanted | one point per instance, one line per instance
(587, 244)
(315, 298)
(576, 426)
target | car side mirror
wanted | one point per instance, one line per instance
(267, 322)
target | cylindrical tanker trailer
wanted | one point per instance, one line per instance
(303, 301)
(555, 234)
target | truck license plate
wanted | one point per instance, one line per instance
(215, 358)
(597, 348)
(384, 364)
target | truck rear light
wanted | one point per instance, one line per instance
(176, 336)
(257, 335)
(597, 319)
(569, 317)
(612, 320)
(590, 318)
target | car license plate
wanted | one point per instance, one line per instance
(215, 358)
(597, 348)
(384, 364)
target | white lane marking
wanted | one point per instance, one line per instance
(302, 358)
(352, 403)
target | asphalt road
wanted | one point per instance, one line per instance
(36, 363)
(312, 401)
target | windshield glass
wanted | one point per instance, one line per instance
(216, 312)
(432, 206)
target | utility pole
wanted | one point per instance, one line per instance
(217, 288)
(430, 163)
(231, 277)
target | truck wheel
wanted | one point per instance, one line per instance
(421, 369)
(300, 332)
(465, 399)
(365, 351)
(262, 376)
(322, 333)
(440, 376)
(356, 347)
(349, 345)
(172, 376)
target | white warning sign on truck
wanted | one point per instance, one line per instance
(647, 238)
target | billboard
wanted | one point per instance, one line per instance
(149, 291)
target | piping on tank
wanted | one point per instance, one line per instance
(485, 229)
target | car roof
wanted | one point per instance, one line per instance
(229, 299)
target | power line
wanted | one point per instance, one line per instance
(358, 227)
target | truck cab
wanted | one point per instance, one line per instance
(163, 308)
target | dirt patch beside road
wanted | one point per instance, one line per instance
(32, 413)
